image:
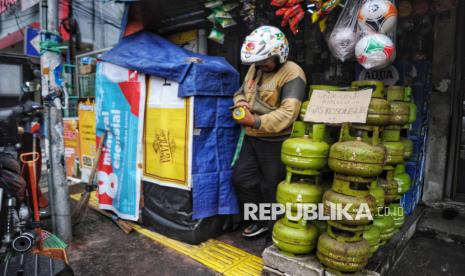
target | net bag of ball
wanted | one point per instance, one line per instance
(378, 16)
(342, 39)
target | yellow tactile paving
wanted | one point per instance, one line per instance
(219, 256)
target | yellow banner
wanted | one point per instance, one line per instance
(87, 136)
(167, 135)
(71, 142)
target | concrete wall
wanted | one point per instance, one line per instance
(439, 113)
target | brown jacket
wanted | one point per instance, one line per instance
(275, 98)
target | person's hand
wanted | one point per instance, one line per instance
(248, 120)
(244, 104)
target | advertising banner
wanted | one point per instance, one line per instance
(71, 141)
(168, 135)
(86, 116)
(119, 107)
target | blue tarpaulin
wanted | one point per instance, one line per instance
(197, 74)
(212, 81)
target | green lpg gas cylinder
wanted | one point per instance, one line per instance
(294, 237)
(356, 158)
(303, 110)
(386, 226)
(353, 186)
(389, 185)
(379, 112)
(378, 193)
(395, 93)
(298, 192)
(413, 107)
(394, 152)
(400, 113)
(376, 86)
(373, 237)
(306, 153)
(408, 147)
(403, 179)
(336, 253)
(397, 213)
(331, 198)
(321, 87)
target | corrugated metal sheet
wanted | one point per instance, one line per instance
(168, 16)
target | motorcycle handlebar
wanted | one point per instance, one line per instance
(28, 107)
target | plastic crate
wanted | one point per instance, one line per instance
(421, 94)
(421, 168)
(411, 169)
(407, 201)
(87, 85)
(417, 147)
(418, 129)
(418, 193)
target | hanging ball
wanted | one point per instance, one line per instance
(341, 43)
(377, 16)
(375, 51)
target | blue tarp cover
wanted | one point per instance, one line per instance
(196, 74)
(215, 133)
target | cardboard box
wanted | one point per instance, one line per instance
(85, 69)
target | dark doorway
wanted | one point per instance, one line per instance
(455, 188)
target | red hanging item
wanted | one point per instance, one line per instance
(291, 15)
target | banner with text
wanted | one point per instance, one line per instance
(71, 142)
(86, 123)
(167, 135)
(119, 106)
(336, 107)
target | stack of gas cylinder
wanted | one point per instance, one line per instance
(366, 165)
(356, 160)
(395, 181)
(305, 154)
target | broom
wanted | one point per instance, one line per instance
(81, 207)
(123, 225)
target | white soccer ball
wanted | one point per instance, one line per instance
(341, 43)
(377, 16)
(375, 51)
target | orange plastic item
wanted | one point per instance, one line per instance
(30, 159)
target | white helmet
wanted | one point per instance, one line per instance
(262, 43)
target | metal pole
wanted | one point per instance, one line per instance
(51, 92)
(202, 42)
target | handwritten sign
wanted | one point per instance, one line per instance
(336, 107)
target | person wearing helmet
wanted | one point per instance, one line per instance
(271, 95)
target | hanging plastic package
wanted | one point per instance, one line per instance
(342, 39)
(226, 22)
(230, 6)
(216, 36)
(376, 21)
(220, 13)
(320, 10)
(211, 18)
(247, 13)
(213, 4)
(292, 14)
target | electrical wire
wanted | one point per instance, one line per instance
(19, 16)
(78, 6)
(17, 24)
